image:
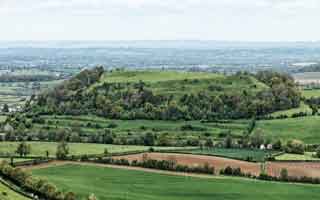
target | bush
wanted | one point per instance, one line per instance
(284, 175)
(112, 125)
(295, 146)
(318, 152)
(229, 171)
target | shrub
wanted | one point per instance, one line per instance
(112, 125)
(318, 152)
(284, 175)
(295, 146)
(229, 171)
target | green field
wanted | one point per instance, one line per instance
(303, 108)
(3, 118)
(40, 148)
(7, 194)
(303, 128)
(241, 154)
(118, 184)
(307, 156)
(140, 127)
(311, 93)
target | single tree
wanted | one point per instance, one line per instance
(209, 143)
(23, 149)
(318, 152)
(5, 108)
(284, 174)
(62, 150)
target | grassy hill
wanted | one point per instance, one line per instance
(170, 95)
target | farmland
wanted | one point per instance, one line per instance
(107, 183)
(219, 115)
(241, 154)
(40, 148)
(307, 156)
(303, 128)
(272, 168)
(132, 128)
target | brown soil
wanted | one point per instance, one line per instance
(273, 168)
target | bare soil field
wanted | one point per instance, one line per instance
(309, 169)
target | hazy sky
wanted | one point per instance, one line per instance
(241, 20)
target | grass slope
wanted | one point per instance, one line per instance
(304, 128)
(116, 184)
(303, 108)
(7, 194)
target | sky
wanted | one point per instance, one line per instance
(226, 20)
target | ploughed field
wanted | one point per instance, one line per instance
(239, 154)
(115, 184)
(310, 169)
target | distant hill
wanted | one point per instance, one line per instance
(169, 95)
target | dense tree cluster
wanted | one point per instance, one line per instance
(137, 101)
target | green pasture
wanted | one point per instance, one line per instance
(307, 156)
(40, 148)
(303, 128)
(116, 184)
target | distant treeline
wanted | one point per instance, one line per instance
(7, 78)
(312, 68)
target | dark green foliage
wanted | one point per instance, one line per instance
(62, 150)
(5, 108)
(277, 145)
(23, 149)
(284, 175)
(318, 152)
(149, 139)
(295, 146)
